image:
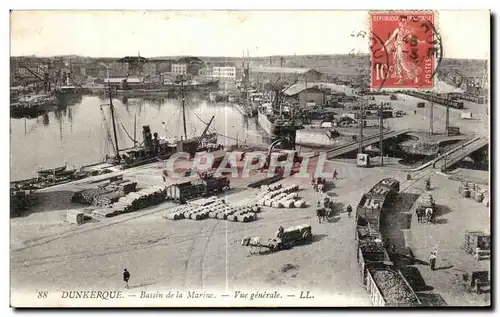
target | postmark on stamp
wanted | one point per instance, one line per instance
(405, 50)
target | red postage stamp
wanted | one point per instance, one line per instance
(403, 50)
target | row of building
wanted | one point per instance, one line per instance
(139, 67)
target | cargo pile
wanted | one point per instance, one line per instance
(218, 209)
(134, 201)
(372, 203)
(425, 200)
(104, 195)
(393, 287)
(278, 197)
(471, 190)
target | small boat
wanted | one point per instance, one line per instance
(55, 170)
(66, 172)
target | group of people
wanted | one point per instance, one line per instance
(325, 210)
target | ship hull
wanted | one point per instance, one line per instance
(265, 124)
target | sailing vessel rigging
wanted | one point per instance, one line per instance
(153, 147)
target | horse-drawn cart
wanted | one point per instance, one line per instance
(287, 239)
(425, 208)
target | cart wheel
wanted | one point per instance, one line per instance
(307, 236)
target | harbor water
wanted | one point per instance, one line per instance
(76, 134)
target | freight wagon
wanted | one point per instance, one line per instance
(368, 212)
(182, 192)
(371, 255)
(436, 99)
(388, 287)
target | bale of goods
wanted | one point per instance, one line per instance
(232, 218)
(171, 216)
(275, 204)
(212, 215)
(256, 209)
(275, 186)
(466, 193)
(75, 217)
(222, 216)
(287, 203)
(293, 195)
(486, 201)
(393, 288)
(299, 204)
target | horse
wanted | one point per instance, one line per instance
(428, 214)
(321, 214)
(320, 188)
(420, 214)
(251, 243)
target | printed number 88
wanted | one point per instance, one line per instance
(42, 294)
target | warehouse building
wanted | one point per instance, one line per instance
(264, 74)
(306, 96)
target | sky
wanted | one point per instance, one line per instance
(465, 34)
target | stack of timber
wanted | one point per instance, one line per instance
(216, 209)
(278, 197)
(134, 201)
(106, 194)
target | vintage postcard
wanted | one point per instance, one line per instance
(250, 158)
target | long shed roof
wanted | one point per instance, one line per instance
(284, 70)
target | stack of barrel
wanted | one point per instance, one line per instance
(216, 210)
(470, 190)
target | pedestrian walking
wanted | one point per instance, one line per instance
(335, 174)
(415, 111)
(126, 277)
(349, 210)
(432, 260)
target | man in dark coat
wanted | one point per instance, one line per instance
(349, 210)
(126, 277)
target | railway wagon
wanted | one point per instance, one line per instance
(436, 99)
(181, 192)
(388, 287)
(386, 188)
(368, 211)
(371, 255)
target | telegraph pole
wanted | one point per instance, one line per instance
(183, 108)
(381, 124)
(447, 119)
(360, 150)
(431, 119)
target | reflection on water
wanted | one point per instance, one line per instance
(77, 134)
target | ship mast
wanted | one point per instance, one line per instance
(183, 108)
(135, 129)
(112, 108)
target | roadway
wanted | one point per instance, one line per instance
(461, 153)
(366, 141)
